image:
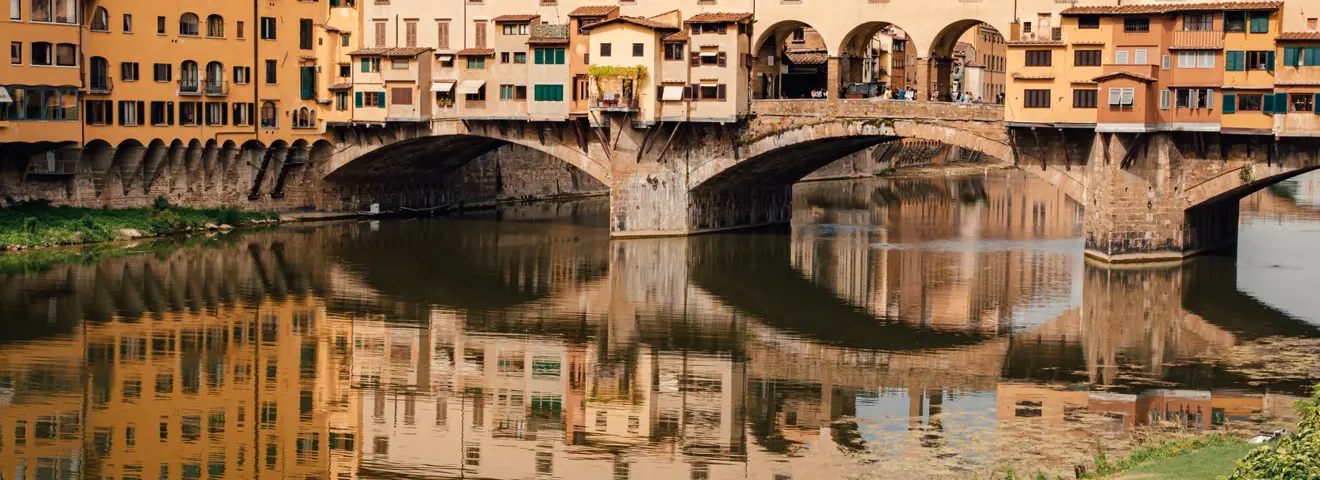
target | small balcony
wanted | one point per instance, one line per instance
(216, 88)
(1198, 40)
(190, 88)
(614, 102)
(100, 85)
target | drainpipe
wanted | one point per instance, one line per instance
(256, 63)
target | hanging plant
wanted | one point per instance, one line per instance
(600, 71)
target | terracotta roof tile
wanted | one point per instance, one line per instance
(1138, 76)
(678, 37)
(1298, 36)
(406, 51)
(340, 86)
(718, 17)
(961, 48)
(522, 18)
(808, 58)
(1036, 43)
(307, 58)
(594, 11)
(974, 64)
(1168, 8)
(327, 28)
(1019, 76)
(644, 22)
(369, 51)
(478, 52)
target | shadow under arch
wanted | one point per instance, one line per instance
(424, 159)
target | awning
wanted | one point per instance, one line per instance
(710, 54)
(672, 94)
(470, 87)
(442, 87)
(444, 57)
(4, 96)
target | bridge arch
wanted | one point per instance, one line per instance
(878, 52)
(953, 60)
(792, 60)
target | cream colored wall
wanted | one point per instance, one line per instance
(1060, 90)
(733, 75)
(508, 73)
(368, 83)
(484, 108)
(548, 75)
(622, 36)
(330, 52)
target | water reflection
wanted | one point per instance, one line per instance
(925, 322)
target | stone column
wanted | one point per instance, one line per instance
(1135, 214)
(923, 79)
(833, 78)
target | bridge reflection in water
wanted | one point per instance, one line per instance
(920, 320)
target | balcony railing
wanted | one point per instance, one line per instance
(1198, 39)
(217, 88)
(614, 102)
(190, 87)
(100, 84)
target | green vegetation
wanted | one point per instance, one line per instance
(38, 224)
(1297, 455)
(1161, 453)
(1209, 462)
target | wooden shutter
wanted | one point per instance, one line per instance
(411, 33)
(1281, 104)
(659, 92)
(723, 59)
(696, 57)
(443, 40)
(224, 114)
(723, 29)
(687, 92)
(720, 91)
(380, 34)
(479, 27)
(696, 91)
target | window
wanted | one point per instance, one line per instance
(1235, 22)
(128, 71)
(673, 51)
(370, 65)
(442, 35)
(520, 57)
(1084, 98)
(128, 113)
(189, 115)
(1260, 60)
(1249, 103)
(242, 75)
(345, 71)
(216, 115)
(128, 23)
(1139, 57)
(479, 33)
(1198, 22)
(1088, 21)
(269, 117)
(99, 112)
(307, 82)
(242, 118)
(305, 33)
(1136, 25)
(1026, 27)
(1259, 22)
(548, 93)
(1086, 58)
(66, 55)
(709, 92)
(100, 20)
(1121, 57)
(639, 49)
(267, 28)
(504, 57)
(1196, 59)
(1303, 102)
(480, 96)
(506, 92)
(1039, 58)
(215, 26)
(380, 33)
(341, 101)
(476, 63)
(1121, 97)
(343, 39)
(1036, 99)
(160, 25)
(159, 113)
(15, 10)
(1164, 99)
(410, 34)
(189, 77)
(305, 118)
(188, 25)
(606, 49)
(238, 30)
(271, 68)
(42, 53)
(400, 63)
(15, 53)
(548, 56)
(515, 29)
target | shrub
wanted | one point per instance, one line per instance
(1296, 456)
(160, 203)
(163, 221)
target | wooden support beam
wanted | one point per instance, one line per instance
(1129, 156)
(673, 134)
(1067, 159)
(1040, 151)
(641, 150)
(540, 133)
(1012, 145)
(660, 127)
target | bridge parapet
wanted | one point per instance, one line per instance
(898, 109)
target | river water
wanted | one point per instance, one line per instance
(928, 327)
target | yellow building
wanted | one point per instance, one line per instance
(39, 84)
(1298, 77)
(1052, 81)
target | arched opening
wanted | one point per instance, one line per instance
(100, 20)
(188, 25)
(269, 115)
(215, 26)
(792, 61)
(967, 63)
(98, 79)
(877, 59)
(215, 78)
(189, 77)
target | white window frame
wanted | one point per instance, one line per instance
(1205, 59)
(1165, 99)
(1186, 59)
(1121, 57)
(1168, 62)
(1139, 57)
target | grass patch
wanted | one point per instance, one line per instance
(38, 224)
(1210, 462)
(1159, 453)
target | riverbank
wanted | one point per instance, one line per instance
(38, 224)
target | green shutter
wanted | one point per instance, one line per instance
(1291, 56)
(366, 65)
(1315, 102)
(1281, 103)
(380, 99)
(357, 99)
(540, 56)
(559, 56)
(1311, 57)
(1260, 22)
(1269, 60)
(1235, 61)
(334, 3)
(1230, 103)
(308, 82)
(1267, 103)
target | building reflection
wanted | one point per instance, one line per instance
(908, 323)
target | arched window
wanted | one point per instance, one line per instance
(100, 75)
(100, 20)
(215, 78)
(189, 77)
(304, 117)
(215, 26)
(188, 25)
(268, 115)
